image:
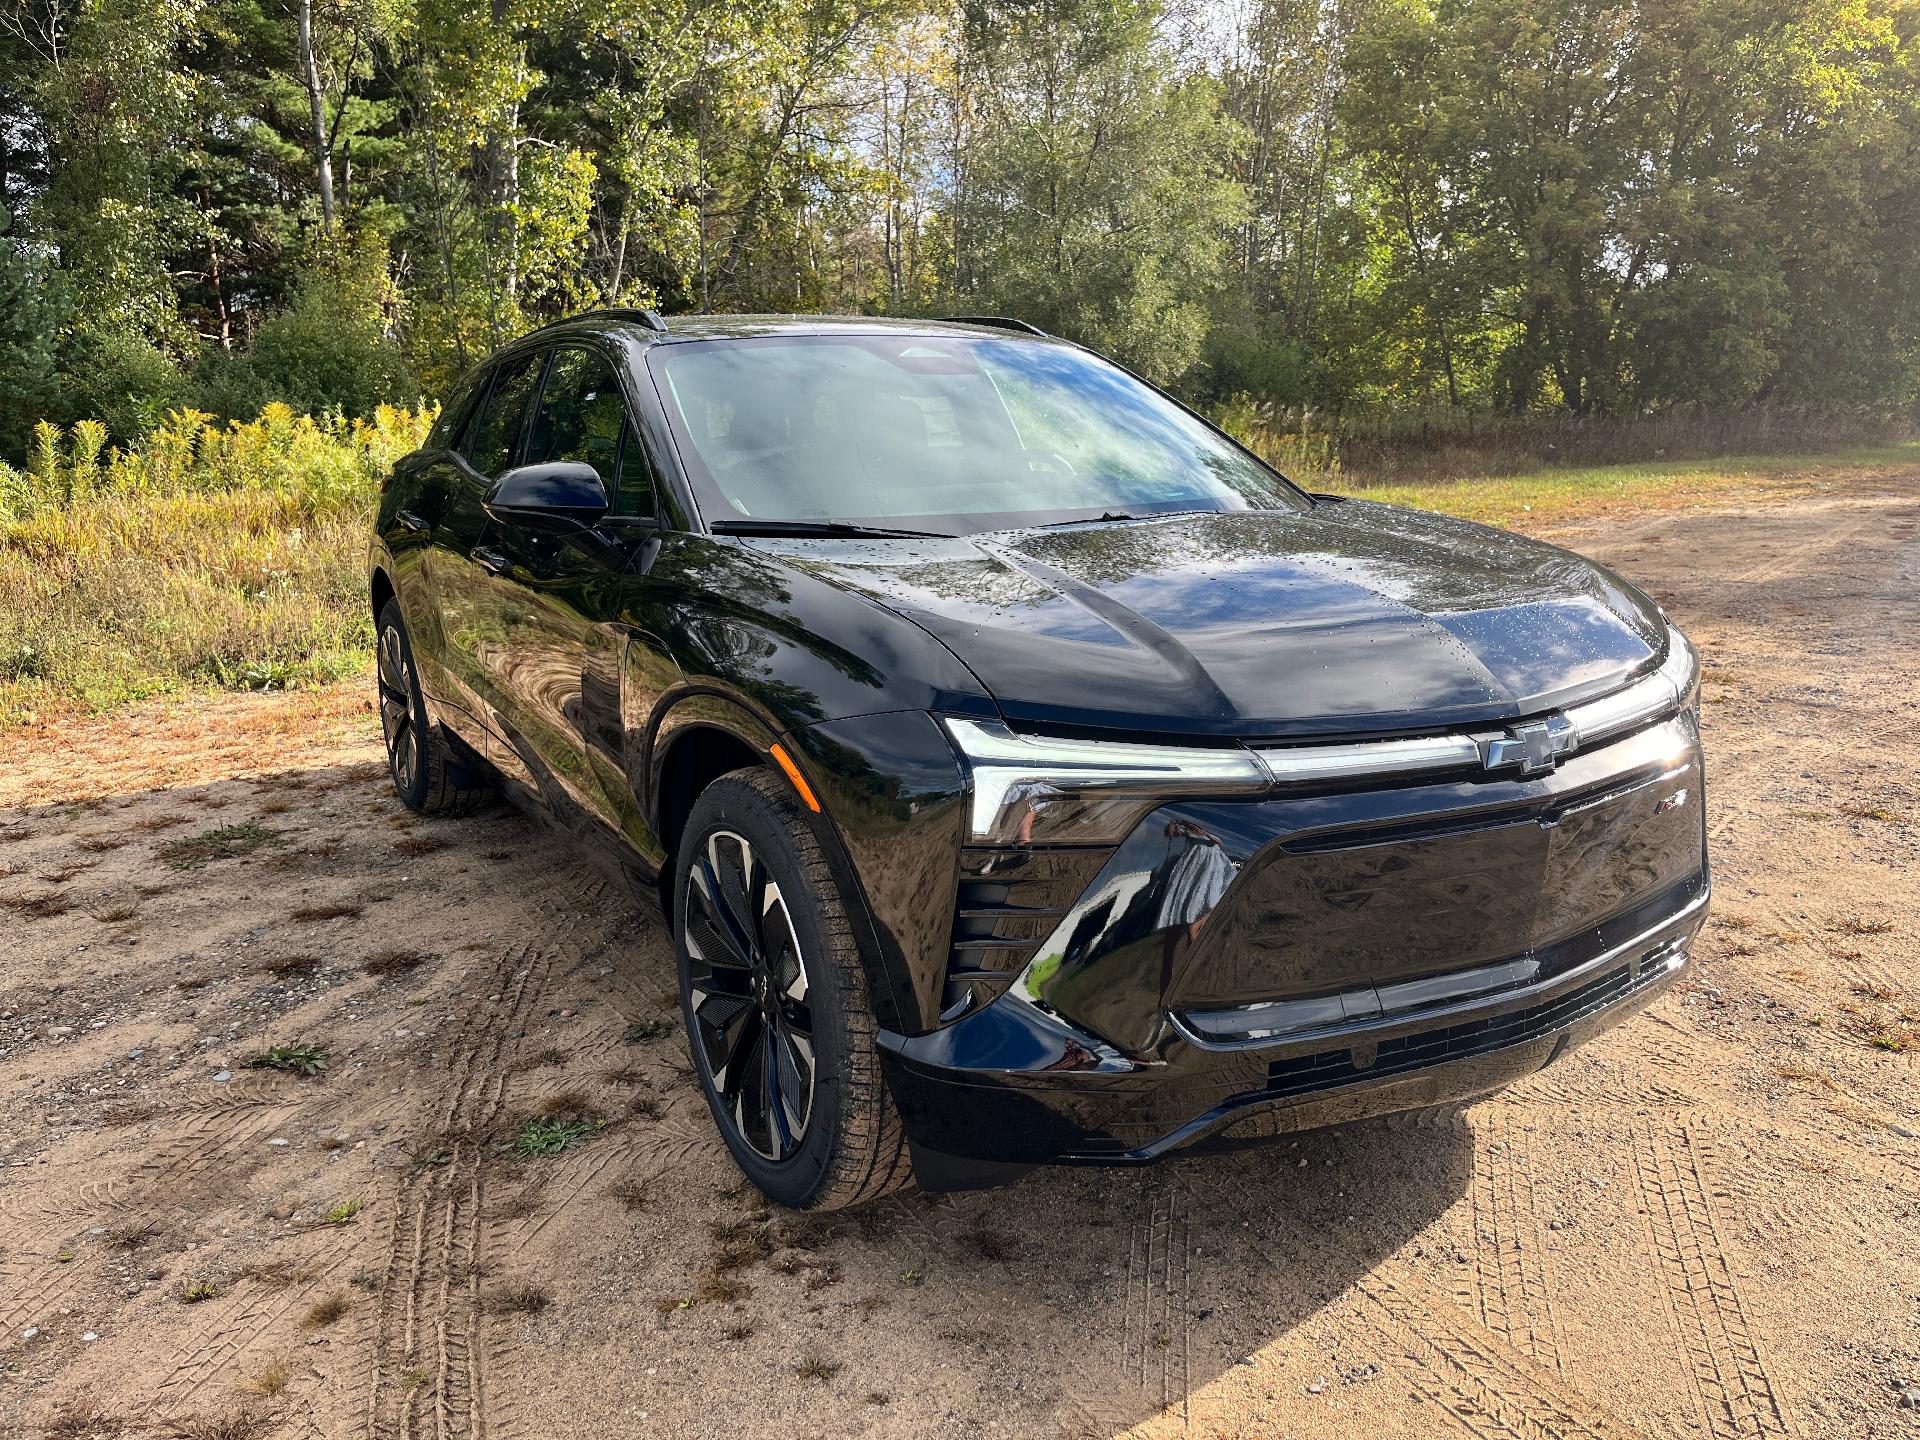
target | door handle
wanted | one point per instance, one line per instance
(492, 561)
(410, 521)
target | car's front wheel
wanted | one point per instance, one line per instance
(776, 1003)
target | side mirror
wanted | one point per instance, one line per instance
(559, 495)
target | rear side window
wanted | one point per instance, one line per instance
(493, 440)
(459, 402)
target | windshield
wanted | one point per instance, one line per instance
(940, 433)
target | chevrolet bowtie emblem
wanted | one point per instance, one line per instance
(1534, 746)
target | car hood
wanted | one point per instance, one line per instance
(1352, 617)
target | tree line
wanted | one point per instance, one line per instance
(1591, 207)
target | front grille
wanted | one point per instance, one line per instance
(1329, 1068)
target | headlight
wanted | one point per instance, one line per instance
(1682, 670)
(1031, 789)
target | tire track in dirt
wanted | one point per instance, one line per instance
(1733, 1391)
(222, 1342)
(643, 1151)
(1512, 1292)
(1156, 1320)
(1486, 1385)
(430, 1359)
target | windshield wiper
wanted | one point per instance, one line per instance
(1122, 515)
(827, 528)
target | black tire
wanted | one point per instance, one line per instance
(848, 1146)
(427, 773)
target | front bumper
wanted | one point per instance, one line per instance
(1015, 1086)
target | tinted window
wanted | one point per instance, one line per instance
(459, 402)
(947, 432)
(582, 417)
(635, 495)
(580, 414)
(493, 439)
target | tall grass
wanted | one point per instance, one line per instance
(213, 555)
(1424, 448)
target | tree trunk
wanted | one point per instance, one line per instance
(310, 77)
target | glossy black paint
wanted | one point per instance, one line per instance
(609, 665)
(558, 495)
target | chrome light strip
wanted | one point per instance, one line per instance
(1301, 764)
(1646, 699)
(1002, 760)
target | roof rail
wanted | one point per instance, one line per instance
(998, 322)
(651, 319)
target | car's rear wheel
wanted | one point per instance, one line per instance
(427, 774)
(776, 1004)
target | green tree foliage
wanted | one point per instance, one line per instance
(1589, 207)
(1095, 204)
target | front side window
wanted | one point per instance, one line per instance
(948, 433)
(493, 439)
(580, 414)
(583, 417)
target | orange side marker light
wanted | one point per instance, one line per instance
(792, 771)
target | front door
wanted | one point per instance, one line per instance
(555, 602)
(490, 446)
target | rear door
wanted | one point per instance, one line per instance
(554, 602)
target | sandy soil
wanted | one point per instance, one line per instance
(1707, 1224)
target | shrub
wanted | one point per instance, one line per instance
(211, 555)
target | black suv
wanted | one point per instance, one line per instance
(1028, 772)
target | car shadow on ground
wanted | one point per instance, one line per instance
(468, 976)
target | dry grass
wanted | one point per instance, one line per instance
(82, 1419)
(326, 910)
(397, 961)
(628, 1194)
(291, 967)
(226, 842)
(270, 1382)
(234, 1425)
(37, 904)
(518, 1297)
(325, 1312)
(1543, 496)
(227, 557)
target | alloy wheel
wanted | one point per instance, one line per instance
(753, 1025)
(396, 709)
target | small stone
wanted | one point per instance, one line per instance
(223, 1075)
(91, 1336)
(1315, 1388)
(59, 1032)
(1910, 1398)
(30, 1332)
(277, 1140)
(135, 1054)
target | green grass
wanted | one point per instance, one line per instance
(1565, 493)
(228, 842)
(546, 1135)
(295, 1059)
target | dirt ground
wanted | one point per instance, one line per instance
(1706, 1224)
